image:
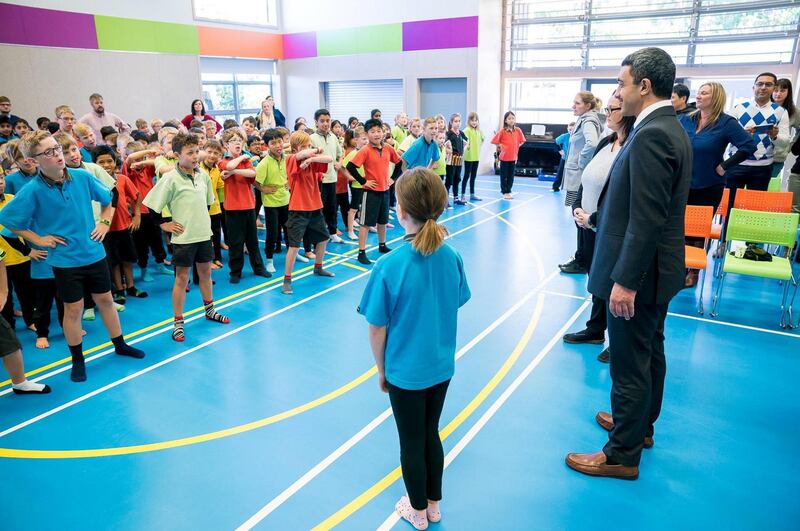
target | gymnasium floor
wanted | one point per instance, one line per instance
(276, 422)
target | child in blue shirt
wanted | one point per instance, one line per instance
(411, 303)
(54, 212)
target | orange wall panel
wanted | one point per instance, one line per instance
(237, 43)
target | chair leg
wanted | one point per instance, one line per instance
(784, 298)
(700, 283)
(717, 295)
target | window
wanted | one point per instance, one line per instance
(737, 89)
(588, 34)
(357, 98)
(243, 12)
(544, 101)
(235, 88)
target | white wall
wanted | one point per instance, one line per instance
(489, 70)
(302, 77)
(317, 15)
(133, 85)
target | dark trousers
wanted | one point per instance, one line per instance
(470, 174)
(329, 205)
(559, 176)
(241, 232)
(507, 170)
(710, 196)
(417, 414)
(257, 208)
(19, 282)
(276, 218)
(148, 238)
(452, 178)
(392, 199)
(753, 177)
(44, 295)
(216, 236)
(638, 368)
(597, 318)
(224, 223)
(343, 201)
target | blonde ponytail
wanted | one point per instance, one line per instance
(420, 194)
(429, 238)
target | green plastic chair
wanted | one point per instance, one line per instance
(774, 185)
(768, 228)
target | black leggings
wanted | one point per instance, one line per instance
(344, 206)
(19, 282)
(452, 178)
(470, 173)
(148, 237)
(216, 235)
(507, 169)
(276, 218)
(45, 294)
(416, 414)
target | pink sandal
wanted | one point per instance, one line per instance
(406, 512)
(434, 516)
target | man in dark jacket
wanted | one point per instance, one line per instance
(638, 263)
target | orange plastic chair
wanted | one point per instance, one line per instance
(780, 202)
(697, 221)
(722, 209)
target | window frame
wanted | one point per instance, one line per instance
(243, 112)
(272, 14)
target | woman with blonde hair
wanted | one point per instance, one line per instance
(710, 131)
(418, 288)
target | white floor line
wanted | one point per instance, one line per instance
(516, 183)
(234, 302)
(393, 518)
(223, 336)
(569, 295)
(317, 469)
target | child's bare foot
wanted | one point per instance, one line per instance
(42, 342)
(83, 333)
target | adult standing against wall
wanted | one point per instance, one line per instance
(99, 118)
(198, 112)
(269, 117)
(582, 143)
(639, 258)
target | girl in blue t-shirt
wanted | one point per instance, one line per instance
(411, 303)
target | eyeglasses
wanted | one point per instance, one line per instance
(609, 110)
(762, 84)
(52, 152)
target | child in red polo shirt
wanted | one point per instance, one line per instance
(239, 175)
(508, 140)
(375, 158)
(120, 252)
(304, 171)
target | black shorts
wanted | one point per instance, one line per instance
(187, 254)
(306, 224)
(355, 198)
(9, 343)
(119, 247)
(374, 208)
(73, 282)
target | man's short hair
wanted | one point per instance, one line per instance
(768, 74)
(656, 65)
(681, 90)
(95, 97)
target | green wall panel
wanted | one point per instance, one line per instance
(127, 34)
(369, 39)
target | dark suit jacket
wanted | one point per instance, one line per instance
(640, 231)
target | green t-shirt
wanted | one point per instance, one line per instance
(101, 175)
(475, 138)
(346, 160)
(187, 197)
(407, 141)
(441, 164)
(271, 172)
(331, 147)
(399, 134)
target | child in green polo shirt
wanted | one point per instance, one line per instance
(188, 193)
(272, 182)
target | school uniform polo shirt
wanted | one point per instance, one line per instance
(217, 185)
(142, 179)
(15, 181)
(399, 134)
(331, 147)
(64, 210)
(475, 138)
(417, 299)
(13, 257)
(421, 153)
(375, 162)
(126, 201)
(272, 172)
(238, 190)
(304, 185)
(187, 197)
(407, 141)
(346, 160)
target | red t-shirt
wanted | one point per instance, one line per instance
(127, 198)
(238, 189)
(142, 179)
(342, 184)
(303, 183)
(509, 142)
(376, 164)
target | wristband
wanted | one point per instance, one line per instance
(105, 222)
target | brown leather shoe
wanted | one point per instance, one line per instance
(595, 465)
(606, 422)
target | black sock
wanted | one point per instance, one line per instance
(123, 349)
(78, 373)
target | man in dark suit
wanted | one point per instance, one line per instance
(638, 263)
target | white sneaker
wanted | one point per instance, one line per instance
(336, 239)
(389, 226)
(352, 235)
(373, 229)
(301, 258)
(119, 307)
(270, 267)
(88, 314)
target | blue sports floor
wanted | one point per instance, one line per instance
(275, 421)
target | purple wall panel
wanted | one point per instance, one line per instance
(47, 27)
(299, 45)
(437, 34)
